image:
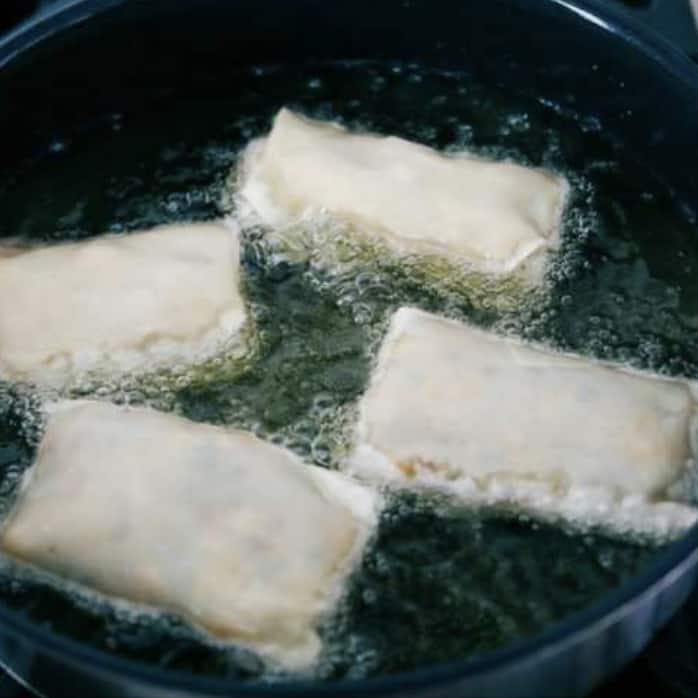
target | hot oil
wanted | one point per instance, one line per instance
(439, 582)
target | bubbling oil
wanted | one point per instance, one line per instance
(439, 582)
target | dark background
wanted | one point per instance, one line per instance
(669, 668)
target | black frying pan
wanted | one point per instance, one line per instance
(81, 58)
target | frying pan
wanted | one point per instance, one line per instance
(79, 58)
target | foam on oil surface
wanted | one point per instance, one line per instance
(455, 581)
